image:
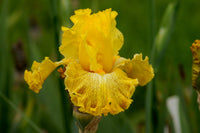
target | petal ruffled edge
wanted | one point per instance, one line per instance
(40, 71)
(137, 68)
(99, 94)
(80, 14)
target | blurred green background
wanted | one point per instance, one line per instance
(163, 30)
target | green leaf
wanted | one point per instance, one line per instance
(164, 34)
(160, 43)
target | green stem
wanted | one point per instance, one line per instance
(86, 123)
(150, 90)
(66, 111)
(151, 113)
(159, 45)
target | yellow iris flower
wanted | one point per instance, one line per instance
(98, 80)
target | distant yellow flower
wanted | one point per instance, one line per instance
(196, 64)
(98, 80)
(195, 48)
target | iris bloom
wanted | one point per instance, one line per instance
(98, 80)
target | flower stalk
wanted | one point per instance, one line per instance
(86, 123)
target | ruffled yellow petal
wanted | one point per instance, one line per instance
(99, 94)
(137, 68)
(196, 65)
(80, 15)
(94, 38)
(40, 71)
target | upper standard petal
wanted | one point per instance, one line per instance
(93, 39)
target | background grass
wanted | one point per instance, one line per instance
(30, 30)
